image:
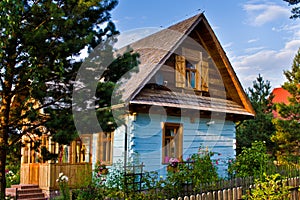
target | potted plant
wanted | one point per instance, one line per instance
(173, 165)
(100, 168)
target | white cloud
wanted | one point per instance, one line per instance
(252, 40)
(260, 14)
(253, 49)
(269, 63)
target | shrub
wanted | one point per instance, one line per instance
(191, 175)
(62, 181)
(12, 178)
(271, 187)
(253, 161)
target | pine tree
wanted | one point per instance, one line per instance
(295, 10)
(288, 124)
(39, 41)
(260, 128)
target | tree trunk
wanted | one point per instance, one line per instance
(4, 130)
(3, 152)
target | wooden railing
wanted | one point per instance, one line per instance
(46, 174)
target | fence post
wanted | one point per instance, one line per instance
(225, 196)
(234, 193)
(229, 192)
(220, 195)
(239, 193)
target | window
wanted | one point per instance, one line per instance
(172, 141)
(191, 70)
(105, 147)
(86, 149)
(190, 75)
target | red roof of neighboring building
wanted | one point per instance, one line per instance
(280, 96)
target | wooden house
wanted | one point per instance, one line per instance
(184, 96)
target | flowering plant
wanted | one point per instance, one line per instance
(63, 186)
(62, 178)
(100, 169)
(173, 162)
(11, 177)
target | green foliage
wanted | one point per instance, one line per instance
(261, 127)
(12, 178)
(287, 135)
(39, 41)
(253, 161)
(62, 181)
(198, 170)
(271, 187)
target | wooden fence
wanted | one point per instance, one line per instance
(236, 193)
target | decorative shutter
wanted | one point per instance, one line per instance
(180, 71)
(204, 76)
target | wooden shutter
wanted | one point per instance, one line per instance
(204, 76)
(180, 71)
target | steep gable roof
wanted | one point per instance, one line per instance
(155, 49)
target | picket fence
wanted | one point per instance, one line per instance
(236, 193)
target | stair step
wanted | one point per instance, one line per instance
(30, 195)
(25, 186)
(43, 198)
(26, 192)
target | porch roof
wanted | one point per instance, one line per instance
(188, 101)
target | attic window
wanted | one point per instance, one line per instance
(191, 71)
(190, 75)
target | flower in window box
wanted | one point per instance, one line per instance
(173, 165)
(173, 162)
(100, 169)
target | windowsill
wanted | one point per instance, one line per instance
(191, 89)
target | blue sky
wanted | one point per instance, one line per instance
(257, 35)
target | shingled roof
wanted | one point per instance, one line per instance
(155, 49)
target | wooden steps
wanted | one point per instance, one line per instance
(26, 192)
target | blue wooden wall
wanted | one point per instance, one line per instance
(145, 140)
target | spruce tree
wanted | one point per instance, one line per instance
(40, 42)
(287, 125)
(260, 128)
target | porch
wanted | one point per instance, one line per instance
(45, 174)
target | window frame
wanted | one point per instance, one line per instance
(188, 75)
(200, 70)
(108, 148)
(179, 146)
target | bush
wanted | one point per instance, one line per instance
(271, 187)
(191, 175)
(253, 161)
(199, 169)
